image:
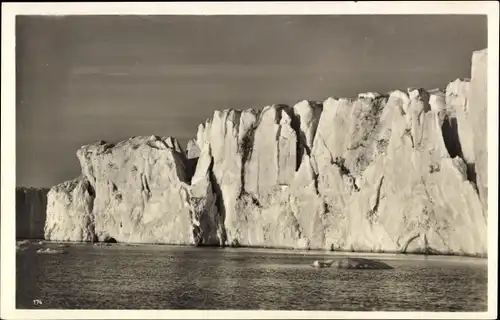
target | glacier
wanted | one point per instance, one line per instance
(31, 208)
(404, 171)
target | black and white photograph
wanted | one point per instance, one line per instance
(250, 162)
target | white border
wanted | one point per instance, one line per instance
(9, 11)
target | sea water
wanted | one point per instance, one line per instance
(168, 277)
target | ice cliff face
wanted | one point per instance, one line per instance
(31, 206)
(134, 191)
(394, 172)
(478, 102)
(69, 211)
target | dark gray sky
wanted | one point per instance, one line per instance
(87, 78)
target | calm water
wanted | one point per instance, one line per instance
(164, 277)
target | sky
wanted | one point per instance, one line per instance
(81, 79)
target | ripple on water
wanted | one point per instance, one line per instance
(163, 277)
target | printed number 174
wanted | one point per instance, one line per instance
(37, 302)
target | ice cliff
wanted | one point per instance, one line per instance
(31, 206)
(478, 101)
(401, 172)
